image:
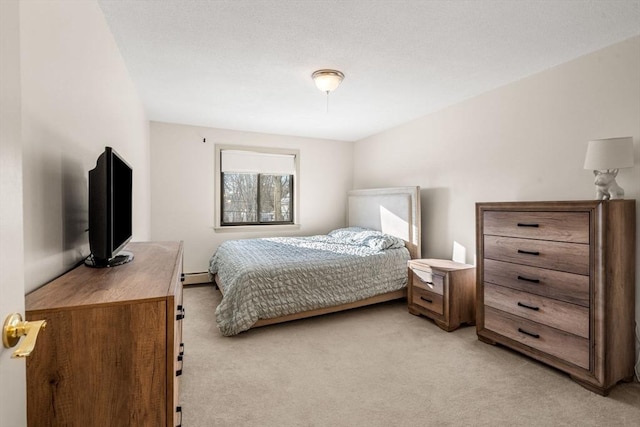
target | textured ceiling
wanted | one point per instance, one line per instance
(247, 64)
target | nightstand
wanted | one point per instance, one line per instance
(442, 290)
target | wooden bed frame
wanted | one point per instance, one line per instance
(394, 211)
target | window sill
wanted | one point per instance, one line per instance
(254, 228)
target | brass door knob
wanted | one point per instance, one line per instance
(14, 328)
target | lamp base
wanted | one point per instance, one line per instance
(606, 186)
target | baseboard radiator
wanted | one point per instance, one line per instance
(196, 279)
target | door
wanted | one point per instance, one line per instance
(12, 371)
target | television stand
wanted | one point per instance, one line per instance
(123, 257)
(112, 352)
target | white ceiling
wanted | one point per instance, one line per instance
(247, 64)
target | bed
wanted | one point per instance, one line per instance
(273, 280)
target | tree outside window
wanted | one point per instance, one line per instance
(256, 186)
(256, 198)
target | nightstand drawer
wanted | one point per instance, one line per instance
(557, 314)
(570, 257)
(429, 300)
(558, 226)
(428, 281)
(569, 287)
(552, 341)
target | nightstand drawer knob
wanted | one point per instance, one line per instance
(531, 334)
(530, 307)
(526, 279)
(520, 251)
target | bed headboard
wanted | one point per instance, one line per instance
(394, 211)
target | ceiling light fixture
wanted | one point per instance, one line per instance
(327, 81)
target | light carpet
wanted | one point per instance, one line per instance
(375, 366)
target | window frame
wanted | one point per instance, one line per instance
(295, 188)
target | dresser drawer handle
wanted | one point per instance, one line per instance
(430, 301)
(530, 307)
(427, 283)
(524, 224)
(179, 411)
(181, 360)
(528, 333)
(526, 279)
(520, 251)
(181, 312)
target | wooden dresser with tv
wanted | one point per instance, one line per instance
(556, 281)
(111, 352)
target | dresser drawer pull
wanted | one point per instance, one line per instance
(530, 307)
(524, 224)
(526, 279)
(180, 359)
(427, 283)
(181, 312)
(520, 251)
(528, 333)
(430, 301)
(179, 371)
(179, 411)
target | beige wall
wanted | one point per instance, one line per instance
(182, 186)
(77, 98)
(523, 141)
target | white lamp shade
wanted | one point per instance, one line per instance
(327, 80)
(610, 153)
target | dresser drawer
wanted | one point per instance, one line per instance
(429, 300)
(569, 257)
(569, 287)
(558, 226)
(428, 281)
(563, 345)
(557, 314)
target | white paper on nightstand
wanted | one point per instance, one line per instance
(425, 276)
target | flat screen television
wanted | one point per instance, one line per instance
(110, 210)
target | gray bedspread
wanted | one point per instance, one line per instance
(272, 277)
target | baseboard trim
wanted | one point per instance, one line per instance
(196, 278)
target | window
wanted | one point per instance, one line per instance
(256, 186)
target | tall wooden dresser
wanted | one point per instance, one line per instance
(556, 281)
(111, 353)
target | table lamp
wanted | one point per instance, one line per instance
(605, 157)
